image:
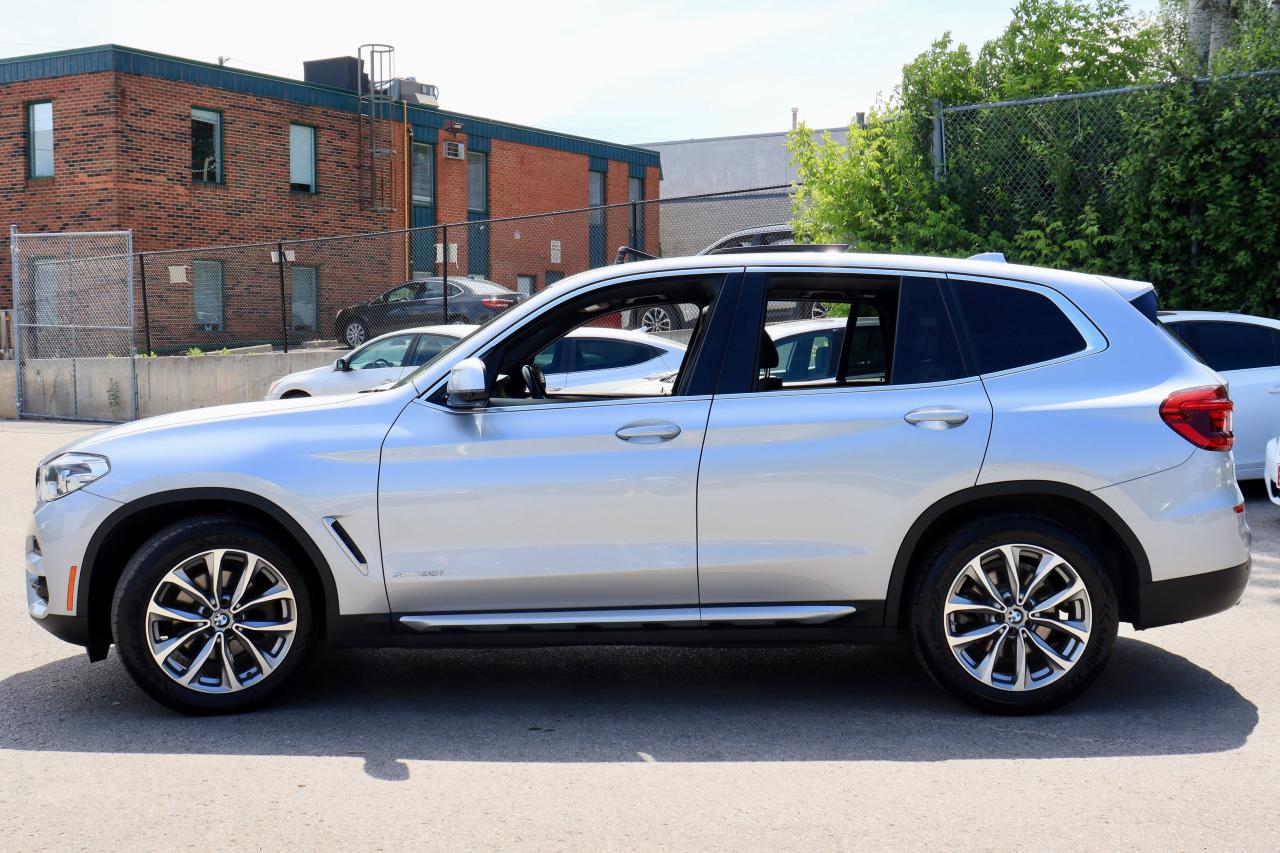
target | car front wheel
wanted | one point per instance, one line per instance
(212, 616)
(1014, 615)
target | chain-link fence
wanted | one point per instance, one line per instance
(340, 291)
(1012, 164)
(73, 325)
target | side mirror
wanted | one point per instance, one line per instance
(467, 386)
(341, 365)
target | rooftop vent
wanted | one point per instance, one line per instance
(408, 89)
(339, 72)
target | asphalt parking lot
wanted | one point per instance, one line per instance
(603, 748)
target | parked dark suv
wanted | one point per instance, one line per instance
(422, 302)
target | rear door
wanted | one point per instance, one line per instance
(807, 488)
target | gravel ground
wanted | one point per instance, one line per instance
(1176, 746)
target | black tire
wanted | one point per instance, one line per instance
(142, 575)
(946, 561)
(459, 320)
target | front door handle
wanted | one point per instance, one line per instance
(936, 417)
(650, 433)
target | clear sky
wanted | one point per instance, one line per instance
(640, 71)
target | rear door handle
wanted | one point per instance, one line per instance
(650, 433)
(936, 417)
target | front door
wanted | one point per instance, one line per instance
(810, 478)
(546, 502)
(372, 364)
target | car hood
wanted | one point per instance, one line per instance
(304, 374)
(268, 412)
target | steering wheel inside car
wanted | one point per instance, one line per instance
(379, 362)
(534, 381)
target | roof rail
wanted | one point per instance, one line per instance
(994, 257)
(781, 247)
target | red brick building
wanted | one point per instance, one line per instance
(188, 154)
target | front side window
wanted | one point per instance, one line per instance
(424, 165)
(388, 352)
(477, 180)
(1230, 346)
(206, 146)
(403, 293)
(884, 331)
(302, 158)
(207, 293)
(40, 140)
(565, 356)
(304, 298)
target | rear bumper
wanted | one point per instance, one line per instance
(1183, 599)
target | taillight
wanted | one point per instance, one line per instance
(1201, 415)
(495, 303)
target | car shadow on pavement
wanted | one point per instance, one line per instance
(608, 704)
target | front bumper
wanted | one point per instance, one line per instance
(1191, 597)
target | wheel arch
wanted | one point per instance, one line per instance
(123, 532)
(1124, 558)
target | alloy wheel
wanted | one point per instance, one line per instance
(356, 334)
(1017, 617)
(656, 320)
(221, 621)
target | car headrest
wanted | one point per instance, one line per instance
(768, 352)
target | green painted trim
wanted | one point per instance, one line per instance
(128, 60)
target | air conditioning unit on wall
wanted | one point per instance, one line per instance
(455, 151)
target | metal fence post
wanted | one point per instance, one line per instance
(444, 269)
(146, 309)
(939, 143)
(133, 319)
(284, 315)
(16, 278)
(70, 272)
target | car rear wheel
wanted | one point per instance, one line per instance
(355, 333)
(660, 318)
(1014, 615)
(212, 616)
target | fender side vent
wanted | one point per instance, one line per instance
(344, 538)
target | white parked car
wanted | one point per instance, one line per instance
(1271, 470)
(1025, 462)
(1246, 351)
(587, 361)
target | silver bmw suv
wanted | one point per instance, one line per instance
(998, 464)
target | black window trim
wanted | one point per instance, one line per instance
(219, 147)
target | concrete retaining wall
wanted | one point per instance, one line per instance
(167, 384)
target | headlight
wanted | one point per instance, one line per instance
(68, 472)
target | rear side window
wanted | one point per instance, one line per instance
(1009, 327)
(1230, 346)
(608, 354)
(927, 350)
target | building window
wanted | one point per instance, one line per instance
(207, 294)
(40, 140)
(635, 195)
(206, 146)
(424, 173)
(304, 298)
(477, 180)
(552, 276)
(302, 158)
(526, 284)
(595, 196)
